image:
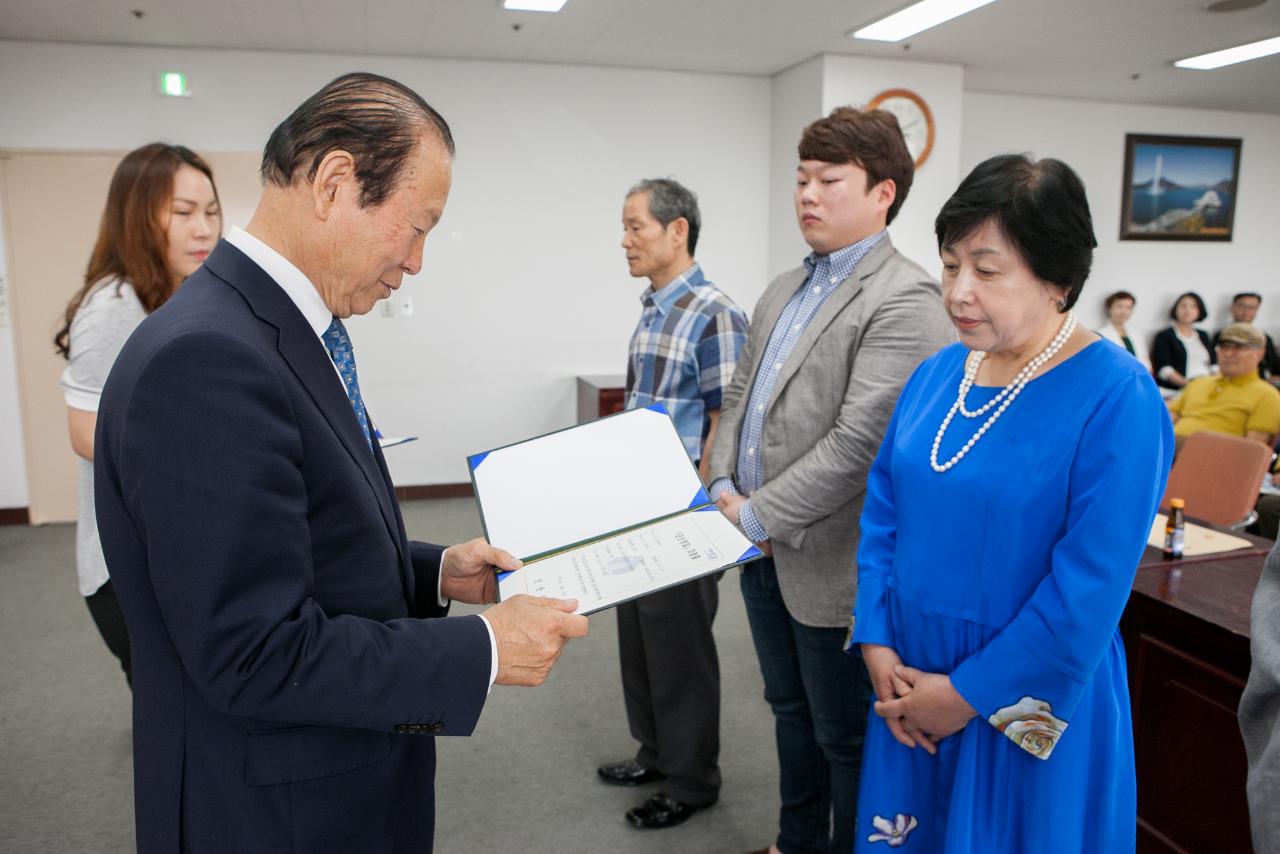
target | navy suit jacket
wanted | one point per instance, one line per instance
(287, 687)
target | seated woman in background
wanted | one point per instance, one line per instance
(1182, 352)
(161, 219)
(1004, 519)
(1119, 309)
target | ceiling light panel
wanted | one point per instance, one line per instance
(533, 5)
(1232, 55)
(916, 19)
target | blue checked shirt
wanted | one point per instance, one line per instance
(826, 272)
(683, 352)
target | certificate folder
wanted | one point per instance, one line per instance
(603, 512)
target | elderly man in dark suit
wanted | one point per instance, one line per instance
(830, 346)
(290, 669)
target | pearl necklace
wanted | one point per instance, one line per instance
(1006, 396)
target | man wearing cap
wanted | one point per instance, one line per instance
(1244, 309)
(1237, 402)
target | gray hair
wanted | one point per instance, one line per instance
(378, 120)
(670, 200)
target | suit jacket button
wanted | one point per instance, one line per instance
(401, 728)
(414, 729)
(436, 727)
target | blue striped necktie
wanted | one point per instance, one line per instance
(338, 343)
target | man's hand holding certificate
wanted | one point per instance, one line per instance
(466, 573)
(529, 632)
(544, 500)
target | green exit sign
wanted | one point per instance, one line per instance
(174, 84)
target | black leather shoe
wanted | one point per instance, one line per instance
(661, 811)
(629, 773)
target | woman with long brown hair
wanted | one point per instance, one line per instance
(161, 220)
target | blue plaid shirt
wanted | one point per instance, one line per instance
(683, 352)
(826, 272)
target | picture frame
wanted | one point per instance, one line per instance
(1179, 187)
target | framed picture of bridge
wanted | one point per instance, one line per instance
(1179, 187)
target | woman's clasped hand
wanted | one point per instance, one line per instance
(920, 708)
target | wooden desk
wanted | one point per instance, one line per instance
(1186, 635)
(600, 395)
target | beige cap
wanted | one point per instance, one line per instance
(1242, 333)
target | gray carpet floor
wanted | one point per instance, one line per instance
(524, 781)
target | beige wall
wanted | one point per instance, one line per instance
(52, 202)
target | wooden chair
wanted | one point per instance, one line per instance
(1219, 477)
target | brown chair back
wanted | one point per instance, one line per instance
(1218, 476)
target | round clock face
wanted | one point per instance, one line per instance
(913, 117)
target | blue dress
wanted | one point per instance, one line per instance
(1009, 572)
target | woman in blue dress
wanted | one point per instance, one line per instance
(1004, 517)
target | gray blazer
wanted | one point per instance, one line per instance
(1260, 709)
(827, 416)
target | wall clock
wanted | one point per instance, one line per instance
(914, 117)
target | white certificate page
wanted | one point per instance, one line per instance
(585, 482)
(629, 565)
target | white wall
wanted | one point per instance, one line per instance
(797, 101)
(1089, 136)
(854, 80)
(813, 89)
(524, 284)
(13, 471)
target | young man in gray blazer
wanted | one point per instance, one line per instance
(831, 344)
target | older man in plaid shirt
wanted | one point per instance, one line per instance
(682, 355)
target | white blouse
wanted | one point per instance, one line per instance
(1198, 362)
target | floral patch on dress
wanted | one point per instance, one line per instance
(1031, 725)
(894, 832)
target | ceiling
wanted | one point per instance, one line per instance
(1112, 50)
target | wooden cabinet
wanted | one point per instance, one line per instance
(600, 394)
(1186, 635)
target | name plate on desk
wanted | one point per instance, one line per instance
(603, 512)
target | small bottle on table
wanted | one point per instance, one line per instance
(1175, 530)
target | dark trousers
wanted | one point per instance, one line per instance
(671, 684)
(819, 695)
(107, 616)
